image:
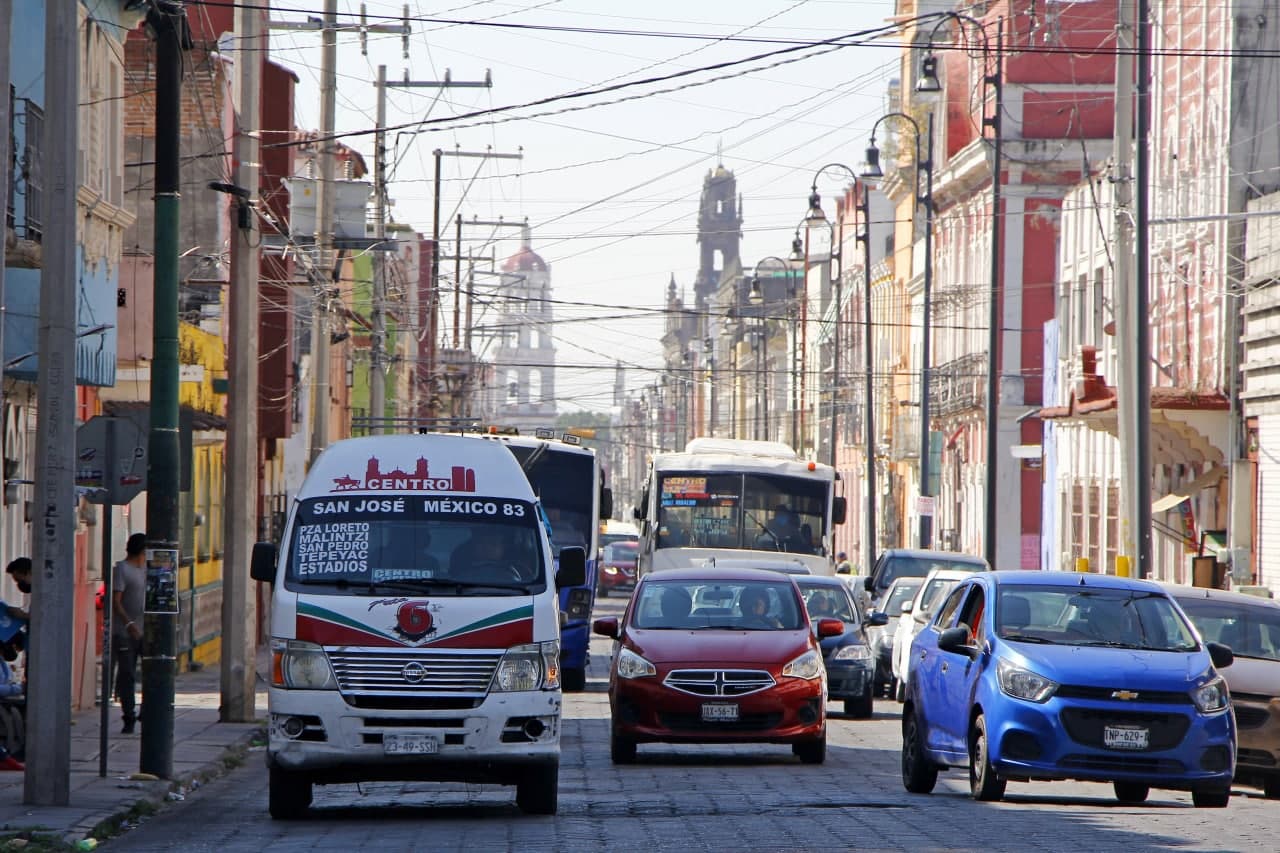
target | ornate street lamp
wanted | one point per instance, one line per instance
(923, 162)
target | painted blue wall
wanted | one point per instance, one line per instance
(98, 280)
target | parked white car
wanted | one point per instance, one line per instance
(915, 615)
(880, 638)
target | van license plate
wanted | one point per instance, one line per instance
(721, 712)
(1126, 737)
(401, 744)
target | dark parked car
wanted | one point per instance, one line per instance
(850, 665)
(717, 656)
(912, 562)
(1250, 627)
(1060, 675)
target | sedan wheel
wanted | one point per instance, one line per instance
(1131, 792)
(1211, 798)
(1271, 788)
(622, 750)
(811, 751)
(861, 708)
(919, 775)
(984, 782)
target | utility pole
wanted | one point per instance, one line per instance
(6, 13)
(48, 773)
(378, 344)
(1128, 318)
(238, 601)
(1141, 294)
(324, 235)
(168, 21)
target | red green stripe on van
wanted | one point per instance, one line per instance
(499, 631)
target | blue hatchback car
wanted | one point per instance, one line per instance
(1059, 675)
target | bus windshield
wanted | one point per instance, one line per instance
(565, 485)
(759, 512)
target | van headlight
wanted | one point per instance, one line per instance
(1023, 683)
(807, 666)
(298, 665)
(533, 666)
(1212, 696)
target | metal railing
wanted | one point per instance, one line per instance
(959, 385)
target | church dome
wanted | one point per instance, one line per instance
(525, 260)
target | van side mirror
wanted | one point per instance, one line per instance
(839, 507)
(637, 513)
(262, 566)
(573, 567)
(606, 502)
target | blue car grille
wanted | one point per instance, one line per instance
(1086, 726)
(1122, 764)
(1107, 694)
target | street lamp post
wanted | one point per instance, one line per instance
(923, 162)
(756, 297)
(929, 83)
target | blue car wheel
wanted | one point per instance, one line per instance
(984, 782)
(919, 774)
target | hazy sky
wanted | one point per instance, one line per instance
(611, 192)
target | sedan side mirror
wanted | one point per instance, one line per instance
(830, 628)
(876, 619)
(867, 584)
(844, 570)
(607, 627)
(906, 607)
(573, 567)
(262, 566)
(1221, 655)
(955, 640)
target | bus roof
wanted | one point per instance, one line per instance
(727, 454)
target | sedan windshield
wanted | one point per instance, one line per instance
(1083, 616)
(824, 601)
(1252, 631)
(731, 605)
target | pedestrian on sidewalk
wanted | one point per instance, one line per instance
(128, 597)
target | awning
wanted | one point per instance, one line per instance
(1187, 490)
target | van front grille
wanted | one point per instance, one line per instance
(412, 672)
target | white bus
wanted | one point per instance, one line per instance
(739, 503)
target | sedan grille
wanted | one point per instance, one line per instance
(1087, 726)
(1115, 694)
(1255, 757)
(1122, 764)
(719, 682)
(694, 723)
(1250, 717)
(412, 672)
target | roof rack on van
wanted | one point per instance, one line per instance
(367, 425)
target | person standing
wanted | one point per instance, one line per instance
(128, 598)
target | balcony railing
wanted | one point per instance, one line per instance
(27, 178)
(959, 385)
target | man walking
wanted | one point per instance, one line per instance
(128, 597)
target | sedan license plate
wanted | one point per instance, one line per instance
(1126, 737)
(402, 744)
(719, 712)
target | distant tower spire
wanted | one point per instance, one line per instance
(720, 152)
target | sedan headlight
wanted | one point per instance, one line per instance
(299, 665)
(532, 666)
(1212, 697)
(631, 665)
(1023, 683)
(807, 666)
(852, 652)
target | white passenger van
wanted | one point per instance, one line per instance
(414, 623)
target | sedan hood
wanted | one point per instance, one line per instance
(719, 646)
(1131, 669)
(1253, 675)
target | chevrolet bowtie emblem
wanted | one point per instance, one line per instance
(1125, 695)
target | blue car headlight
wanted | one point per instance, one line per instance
(1023, 683)
(852, 653)
(1212, 696)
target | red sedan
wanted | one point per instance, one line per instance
(717, 656)
(618, 567)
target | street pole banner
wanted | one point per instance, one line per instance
(162, 581)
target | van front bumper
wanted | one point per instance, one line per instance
(317, 732)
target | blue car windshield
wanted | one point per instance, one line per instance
(1092, 616)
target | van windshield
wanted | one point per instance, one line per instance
(406, 543)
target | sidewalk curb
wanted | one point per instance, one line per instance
(107, 824)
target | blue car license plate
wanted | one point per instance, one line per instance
(1126, 737)
(719, 712)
